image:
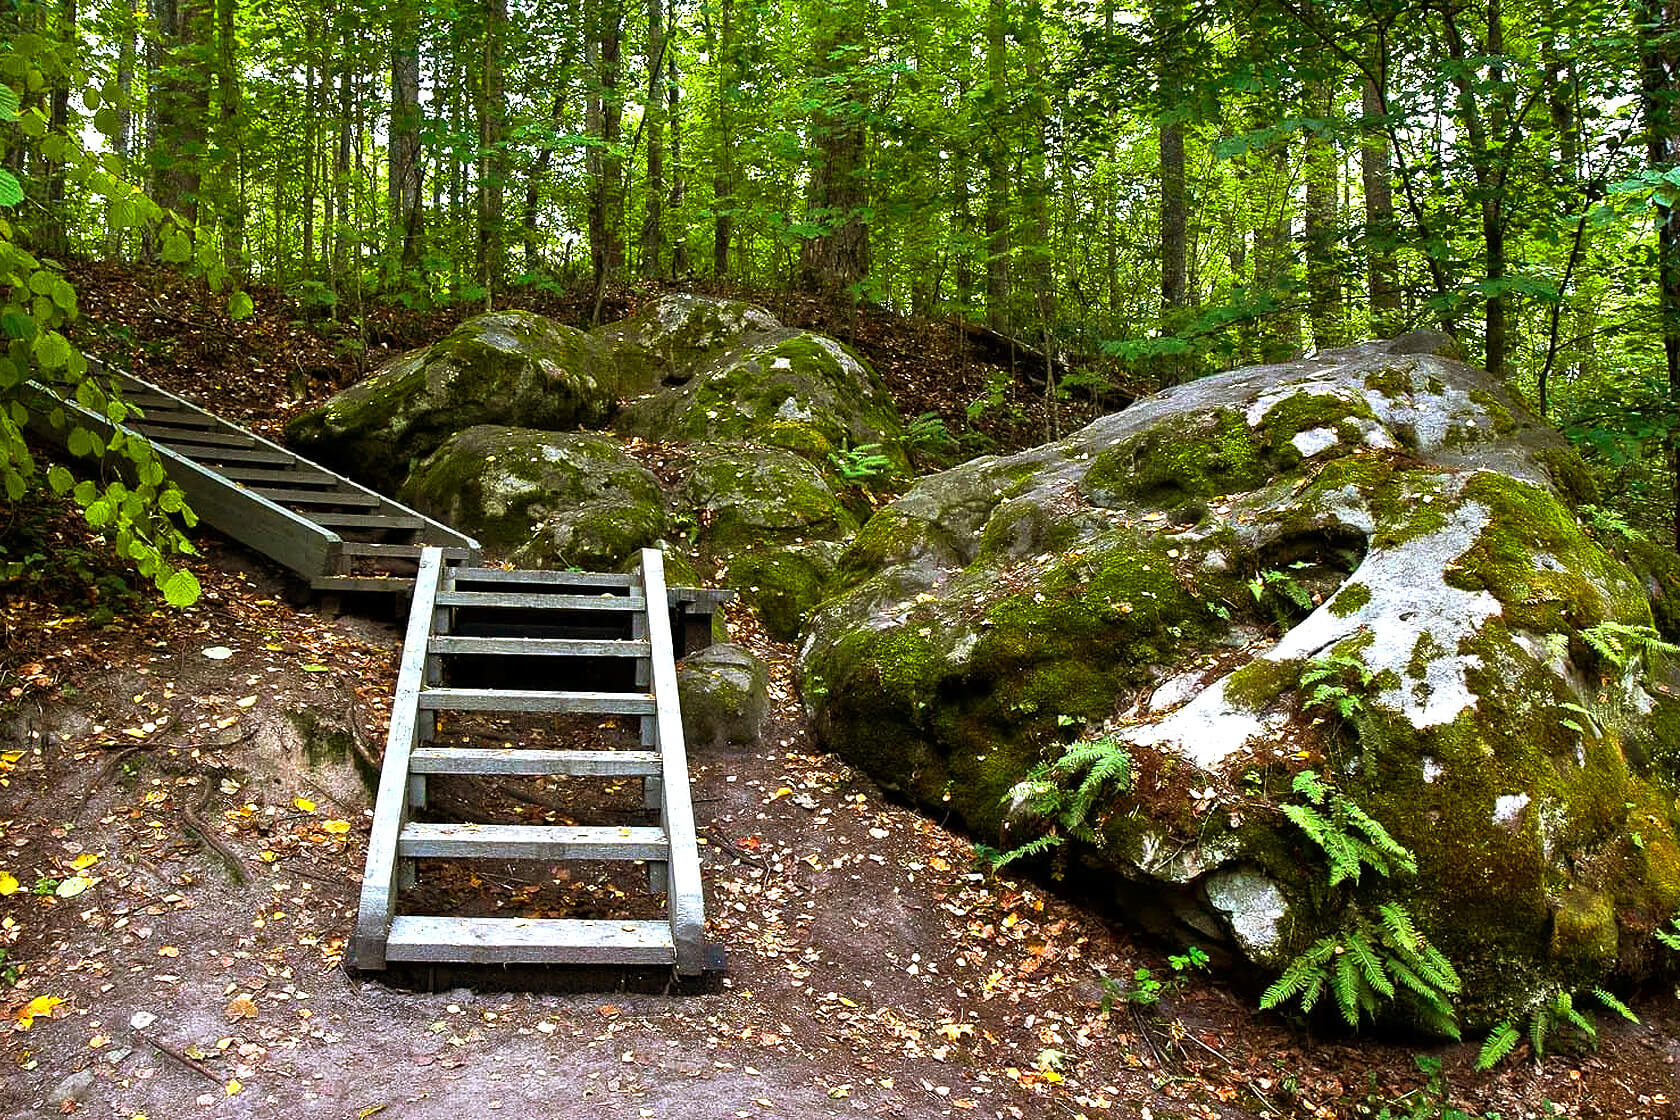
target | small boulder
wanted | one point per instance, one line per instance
(725, 695)
(799, 391)
(662, 344)
(543, 499)
(771, 518)
(507, 367)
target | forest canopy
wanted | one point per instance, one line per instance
(1164, 188)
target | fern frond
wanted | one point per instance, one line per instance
(1615, 1005)
(1300, 973)
(1438, 1018)
(1397, 923)
(1378, 835)
(1370, 966)
(1539, 1026)
(1310, 995)
(1498, 1046)
(1434, 967)
(1344, 984)
(1308, 785)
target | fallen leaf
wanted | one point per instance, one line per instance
(246, 701)
(41, 1007)
(73, 886)
(314, 668)
(303, 804)
(233, 1087)
(84, 861)
(336, 828)
(218, 653)
(168, 951)
(241, 1008)
(8, 884)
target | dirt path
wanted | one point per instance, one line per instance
(874, 969)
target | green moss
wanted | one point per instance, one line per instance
(1569, 474)
(1179, 459)
(1351, 599)
(1392, 382)
(1504, 424)
(782, 585)
(1262, 681)
(1304, 412)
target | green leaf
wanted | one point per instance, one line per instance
(177, 248)
(181, 589)
(8, 103)
(52, 350)
(99, 514)
(240, 306)
(61, 480)
(82, 442)
(11, 191)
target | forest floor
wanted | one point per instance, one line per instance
(177, 889)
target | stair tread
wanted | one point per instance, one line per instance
(531, 761)
(555, 602)
(538, 647)
(531, 841)
(365, 520)
(319, 497)
(529, 940)
(534, 700)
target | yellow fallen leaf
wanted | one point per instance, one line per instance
(241, 1008)
(41, 1007)
(73, 886)
(84, 861)
(246, 701)
(337, 828)
(8, 884)
(783, 792)
(168, 951)
(233, 1087)
(303, 804)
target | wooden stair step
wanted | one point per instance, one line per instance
(299, 475)
(533, 763)
(540, 602)
(215, 457)
(523, 700)
(388, 549)
(335, 520)
(319, 497)
(175, 437)
(178, 418)
(538, 647)
(529, 941)
(502, 576)
(531, 841)
(392, 583)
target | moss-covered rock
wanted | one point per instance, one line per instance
(507, 367)
(770, 520)
(542, 499)
(663, 343)
(799, 391)
(1437, 663)
(725, 693)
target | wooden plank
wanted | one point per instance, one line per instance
(379, 877)
(522, 700)
(529, 841)
(299, 475)
(539, 647)
(170, 418)
(217, 456)
(575, 579)
(365, 498)
(687, 902)
(555, 602)
(529, 941)
(186, 440)
(365, 520)
(531, 762)
(393, 583)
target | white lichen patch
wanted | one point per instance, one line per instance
(1253, 907)
(1508, 807)
(1315, 441)
(1265, 402)
(1431, 770)
(1409, 596)
(793, 409)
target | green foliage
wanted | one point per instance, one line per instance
(1282, 594)
(1365, 964)
(862, 464)
(1554, 1012)
(1147, 989)
(1065, 791)
(1332, 682)
(1624, 647)
(929, 440)
(1350, 839)
(1429, 1102)
(1670, 937)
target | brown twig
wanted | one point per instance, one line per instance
(1249, 1085)
(196, 1066)
(103, 773)
(196, 823)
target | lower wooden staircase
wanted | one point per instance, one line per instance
(520, 626)
(335, 533)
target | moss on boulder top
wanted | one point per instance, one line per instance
(662, 343)
(799, 391)
(773, 525)
(507, 367)
(1165, 578)
(546, 499)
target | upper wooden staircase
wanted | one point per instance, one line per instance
(333, 532)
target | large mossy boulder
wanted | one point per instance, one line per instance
(802, 392)
(662, 343)
(543, 499)
(508, 367)
(1386, 525)
(774, 527)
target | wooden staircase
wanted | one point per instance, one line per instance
(525, 624)
(336, 534)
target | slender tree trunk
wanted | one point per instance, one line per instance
(1660, 100)
(723, 173)
(997, 168)
(182, 101)
(679, 174)
(837, 258)
(122, 142)
(653, 121)
(962, 222)
(311, 117)
(1174, 296)
(57, 238)
(606, 246)
(1036, 250)
(339, 225)
(1378, 187)
(1321, 222)
(533, 188)
(490, 167)
(231, 206)
(406, 168)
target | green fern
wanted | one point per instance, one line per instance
(1366, 965)
(1329, 682)
(1553, 1009)
(1623, 646)
(1349, 837)
(1066, 792)
(1670, 937)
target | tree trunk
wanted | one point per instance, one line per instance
(1660, 100)
(997, 168)
(231, 206)
(605, 112)
(1173, 222)
(1320, 224)
(122, 142)
(653, 121)
(182, 101)
(1378, 188)
(837, 258)
(490, 164)
(723, 168)
(404, 151)
(679, 175)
